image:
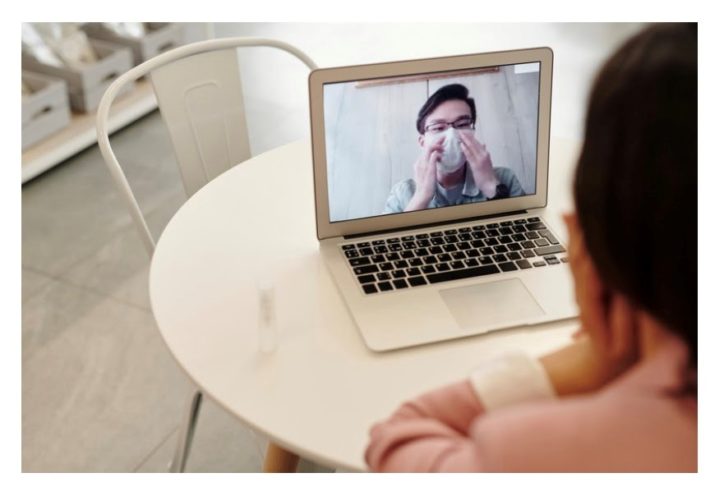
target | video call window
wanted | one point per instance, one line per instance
(431, 141)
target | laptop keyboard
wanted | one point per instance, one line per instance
(401, 262)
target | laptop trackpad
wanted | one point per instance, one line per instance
(491, 304)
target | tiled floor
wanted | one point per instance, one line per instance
(100, 392)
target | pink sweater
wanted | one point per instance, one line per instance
(641, 422)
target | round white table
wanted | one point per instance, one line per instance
(319, 393)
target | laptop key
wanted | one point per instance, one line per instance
(378, 242)
(539, 264)
(547, 235)
(485, 260)
(408, 238)
(518, 237)
(514, 247)
(507, 223)
(465, 237)
(514, 256)
(366, 279)
(528, 244)
(533, 219)
(393, 240)
(449, 248)
(391, 257)
(552, 261)
(491, 241)
(386, 266)
(501, 249)
(444, 257)
(436, 234)
(505, 231)
(464, 246)
(536, 226)
(380, 249)
(400, 264)
(457, 264)
(451, 239)
(377, 258)
(492, 233)
(365, 252)
(505, 240)
(384, 286)
(487, 251)
(500, 258)
(477, 243)
(423, 243)
(455, 275)
(478, 228)
(442, 267)
(541, 242)
(366, 269)
(428, 269)
(400, 283)
(472, 262)
(421, 252)
(351, 254)
(437, 241)
(472, 253)
(523, 264)
(417, 281)
(519, 221)
(527, 253)
(492, 225)
(369, 288)
(383, 276)
(508, 267)
(459, 255)
(464, 230)
(407, 254)
(398, 274)
(422, 236)
(394, 247)
(415, 262)
(414, 271)
(364, 244)
(356, 262)
(478, 235)
(348, 247)
(430, 260)
(409, 245)
(519, 229)
(435, 250)
(450, 232)
(532, 235)
(549, 250)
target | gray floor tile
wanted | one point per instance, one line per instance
(120, 267)
(221, 444)
(32, 282)
(102, 394)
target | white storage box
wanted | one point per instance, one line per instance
(87, 85)
(160, 37)
(46, 110)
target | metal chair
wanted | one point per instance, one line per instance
(199, 94)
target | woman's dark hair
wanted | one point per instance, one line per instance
(636, 182)
(449, 92)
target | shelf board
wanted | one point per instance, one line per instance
(81, 133)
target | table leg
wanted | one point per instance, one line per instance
(278, 459)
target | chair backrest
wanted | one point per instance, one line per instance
(199, 93)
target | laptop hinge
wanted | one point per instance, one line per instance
(422, 226)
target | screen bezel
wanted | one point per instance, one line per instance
(318, 78)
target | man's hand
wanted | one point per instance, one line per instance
(426, 175)
(480, 163)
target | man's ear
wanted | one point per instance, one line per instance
(421, 139)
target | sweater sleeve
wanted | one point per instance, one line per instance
(431, 433)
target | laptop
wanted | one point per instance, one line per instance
(430, 180)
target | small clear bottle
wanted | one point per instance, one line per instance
(268, 333)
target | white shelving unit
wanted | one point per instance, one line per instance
(81, 133)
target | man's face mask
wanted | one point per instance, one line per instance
(452, 156)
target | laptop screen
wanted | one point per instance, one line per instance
(435, 140)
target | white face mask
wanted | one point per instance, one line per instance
(452, 156)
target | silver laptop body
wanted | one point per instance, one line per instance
(364, 144)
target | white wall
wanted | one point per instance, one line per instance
(276, 87)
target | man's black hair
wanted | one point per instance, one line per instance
(449, 92)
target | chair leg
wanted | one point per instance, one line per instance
(280, 460)
(186, 433)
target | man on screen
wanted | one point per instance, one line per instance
(453, 168)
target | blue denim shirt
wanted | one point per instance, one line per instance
(402, 192)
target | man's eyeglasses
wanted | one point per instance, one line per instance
(439, 127)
